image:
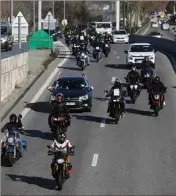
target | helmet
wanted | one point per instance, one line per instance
(146, 58)
(157, 78)
(61, 138)
(117, 82)
(59, 98)
(133, 68)
(13, 118)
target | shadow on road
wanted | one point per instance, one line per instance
(101, 99)
(93, 119)
(71, 68)
(42, 107)
(139, 112)
(38, 134)
(38, 181)
(118, 66)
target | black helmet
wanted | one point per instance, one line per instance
(117, 83)
(133, 68)
(59, 98)
(146, 58)
(13, 118)
(61, 138)
(157, 78)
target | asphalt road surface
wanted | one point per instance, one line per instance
(135, 157)
(15, 50)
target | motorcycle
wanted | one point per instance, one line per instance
(106, 50)
(91, 40)
(97, 54)
(60, 170)
(83, 62)
(68, 40)
(133, 92)
(11, 150)
(157, 103)
(146, 80)
(116, 106)
(59, 125)
(76, 49)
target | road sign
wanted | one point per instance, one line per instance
(64, 22)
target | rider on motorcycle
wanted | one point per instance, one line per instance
(75, 41)
(98, 43)
(106, 38)
(146, 63)
(133, 77)
(84, 49)
(157, 87)
(59, 109)
(14, 122)
(117, 85)
(12, 128)
(61, 141)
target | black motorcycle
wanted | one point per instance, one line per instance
(106, 50)
(60, 169)
(59, 125)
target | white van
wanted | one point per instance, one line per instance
(103, 27)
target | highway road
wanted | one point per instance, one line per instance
(15, 50)
(135, 157)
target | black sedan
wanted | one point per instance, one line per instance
(76, 90)
(155, 34)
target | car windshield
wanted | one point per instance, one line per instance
(120, 33)
(103, 25)
(3, 30)
(71, 84)
(141, 48)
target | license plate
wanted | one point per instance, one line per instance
(70, 103)
(139, 61)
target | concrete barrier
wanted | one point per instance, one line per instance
(13, 70)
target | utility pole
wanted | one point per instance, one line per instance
(124, 3)
(34, 17)
(39, 14)
(53, 8)
(11, 12)
(19, 31)
(174, 8)
(64, 9)
(117, 15)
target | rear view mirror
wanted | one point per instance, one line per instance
(92, 87)
(126, 52)
(128, 34)
(50, 89)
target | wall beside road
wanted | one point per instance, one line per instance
(13, 70)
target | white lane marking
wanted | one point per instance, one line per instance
(47, 82)
(115, 52)
(94, 160)
(118, 57)
(103, 123)
(146, 30)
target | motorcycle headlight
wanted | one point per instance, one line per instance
(135, 86)
(156, 96)
(85, 97)
(10, 140)
(83, 55)
(106, 45)
(97, 48)
(3, 40)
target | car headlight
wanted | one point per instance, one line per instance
(151, 57)
(85, 97)
(53, 97)
(130, 58)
